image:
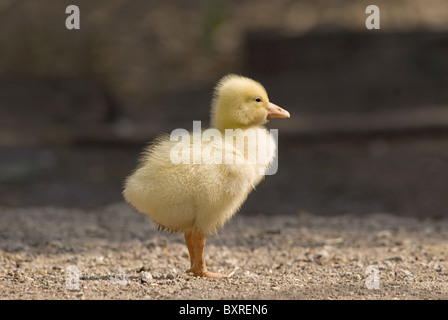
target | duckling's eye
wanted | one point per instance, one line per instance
(257, 99)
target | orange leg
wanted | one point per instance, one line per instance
(195, 244)
(189, 242)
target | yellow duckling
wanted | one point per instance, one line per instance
(196, 198)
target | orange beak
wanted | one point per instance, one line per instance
(277, 112)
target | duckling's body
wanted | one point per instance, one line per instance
(193, 197)
(198, 198)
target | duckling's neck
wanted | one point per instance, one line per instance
(222, 126)
(241, 127)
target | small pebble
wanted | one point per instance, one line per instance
(145, 276)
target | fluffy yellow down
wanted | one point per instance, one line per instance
(202, 197)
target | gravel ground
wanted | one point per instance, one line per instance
(116, 253)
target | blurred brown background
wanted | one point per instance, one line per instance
(369, 126)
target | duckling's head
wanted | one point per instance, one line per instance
(240, 102)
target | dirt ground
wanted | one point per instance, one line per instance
(114, 252)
